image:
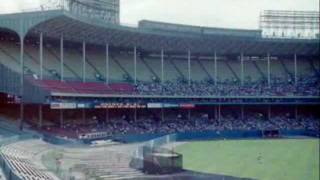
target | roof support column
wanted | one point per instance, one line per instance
(107, 115)
(215, 69)
(84, 117)
(242, 112)
(61, 59)
(135, 65)
(21, 83)
(295, 70)
(219, 113)
(107, 64)
(269, 112)
(242, 68)
(162, 114)
(135, 114)
(189, 67)
(162, 66)
(40, 117)
(41, 55)
(296, 111)
(269, 70)
(83, 61)
(61, 118)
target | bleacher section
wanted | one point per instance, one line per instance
(114, 165)
(19, 156)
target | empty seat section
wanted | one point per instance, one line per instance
(289, 64)
(117, 71)
(13, 49)
(304, 68)
(98, 60)
(224, 73)
(90, 88)
(76, 56)
(52, 61)
(123, 88)
(197, 73)
(263, 66)
(208, 64)
(251, 72)
(170, 73)
(155, 64)
(143, 72)
(9, 62)
(126, 61)
(32, 51)
(235, 66)
(72, 62)
(56, 86)
(182, 66)
(277, 70)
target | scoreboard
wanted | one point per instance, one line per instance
(108, 10)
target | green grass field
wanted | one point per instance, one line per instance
(286, 159)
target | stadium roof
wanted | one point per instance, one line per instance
(199, 40)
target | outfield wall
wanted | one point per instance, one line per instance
(209, 135)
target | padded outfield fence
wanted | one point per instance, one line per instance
(212, 135)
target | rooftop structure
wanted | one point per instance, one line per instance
(290, 24)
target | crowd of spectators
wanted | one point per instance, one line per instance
(198, 123)
(306, 86)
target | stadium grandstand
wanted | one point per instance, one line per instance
(73, 77)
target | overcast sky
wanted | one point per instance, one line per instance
(213, 13)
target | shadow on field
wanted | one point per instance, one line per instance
(191, 175)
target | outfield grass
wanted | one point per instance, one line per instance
(286, 159)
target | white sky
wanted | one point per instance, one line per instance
(213, 13)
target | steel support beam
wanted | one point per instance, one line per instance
(135, 115)
(242, 69)
(162, 114)
(107, 114)
(215, 69)
(41, 55)
(83, 61)
(242, 112)
(61, 118)
(40, 117)
(269, 69)
(21, 83)
(296, 112)
(189, 67)
(107, 64)
(61, 59)
(219, 113)
(84, 115)
(162, 66)
(269, 112)
(135, 65)
(295, 70)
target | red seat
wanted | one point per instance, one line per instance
(84, 88)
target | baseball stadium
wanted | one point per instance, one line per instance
(84, 97)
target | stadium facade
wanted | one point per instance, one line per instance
(57, 59)
(74, 76)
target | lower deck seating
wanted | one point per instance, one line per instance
(84, 87)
